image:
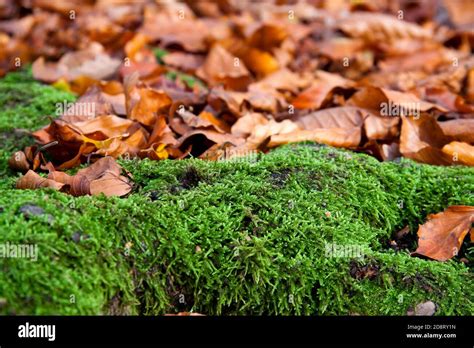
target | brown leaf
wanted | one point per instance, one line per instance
(281, 80)
(91, 62)
(245, 125)
(389, 102)
(221, 67)
(104, 176)
(213, 136)
(459, 129)
(342, 124)
(101, 177)
(441, 237)
(376, 28)
(32, 181)
(320, 90)
(422, 139)
(184, 61)
(265, 36)
(258, 61)
(110, 184)
(171, 29)
(80, 186)
(19, 162)
(339, 48)
(426, 60)
(261, 132)
(60, 177)
(380, 127)
(150, 104)
(337, 137)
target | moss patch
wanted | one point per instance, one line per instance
(303, 230)
(25, 103)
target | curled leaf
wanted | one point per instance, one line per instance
(19, 162)
(32, 181)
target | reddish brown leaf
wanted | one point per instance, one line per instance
(422, 140)
(221, 67)
(19, 162)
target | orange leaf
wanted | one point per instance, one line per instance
(441, 237)
(31, 181)
(462, 152)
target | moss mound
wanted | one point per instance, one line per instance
(301, 230)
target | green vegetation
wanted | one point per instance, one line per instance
(237, 237)
(25, 103)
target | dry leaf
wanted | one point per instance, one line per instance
(422, 140)
(32, 181)
(221, 67)
(376, 28)
(19, 162)
(342, 125)
(462, 152)
(91, 62)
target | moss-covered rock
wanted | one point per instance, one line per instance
(304, 229)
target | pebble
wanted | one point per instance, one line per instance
(32, 210)
(427, 308)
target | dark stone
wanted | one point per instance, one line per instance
(30, 210)
(76, 237)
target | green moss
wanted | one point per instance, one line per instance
(159, 54)
(25, 103)
(238, 238)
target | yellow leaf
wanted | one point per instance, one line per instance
(62, 85)
(161, 152)
(99, 144)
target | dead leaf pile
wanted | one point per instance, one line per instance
(166, 80)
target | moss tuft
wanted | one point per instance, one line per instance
(24, 104)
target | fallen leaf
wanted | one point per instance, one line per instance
(92, 62)
(377, 27)
(32, 181)
(441, 237)
(221, 67)
(342, 125)
(462, 152)
(459, 129)
(422, 140)
(19, 162)
(320, 90)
